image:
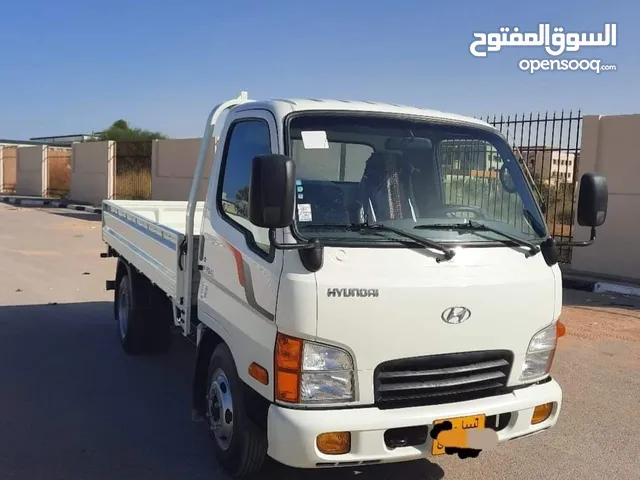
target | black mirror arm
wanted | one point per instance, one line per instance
(315, 243)
(580, 244)
(311, 253)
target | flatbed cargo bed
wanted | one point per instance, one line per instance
(149, 235)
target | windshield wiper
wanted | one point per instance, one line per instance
(477, 226)
(448, 252)
(363, 227)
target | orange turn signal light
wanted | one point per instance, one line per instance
(259, 373)
(334, 443)
(561, 331)
(541, 413)
(288, 360)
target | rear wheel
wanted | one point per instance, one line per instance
(143, 323)
(239, 444)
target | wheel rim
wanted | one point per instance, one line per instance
(123, 311)
(220, 409)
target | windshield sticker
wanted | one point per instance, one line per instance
(314, 140)
(304, 212)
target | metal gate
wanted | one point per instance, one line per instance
(133, 170)
(549, 146)
(59, 171)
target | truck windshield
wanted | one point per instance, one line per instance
(446, 182)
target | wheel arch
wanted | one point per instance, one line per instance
(256, 406)
(208, 343)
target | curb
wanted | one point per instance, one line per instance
(600, 287)
(50, 203)
(606, 287)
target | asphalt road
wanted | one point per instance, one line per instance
(73, 406)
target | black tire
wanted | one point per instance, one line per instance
(143, 323)
(246, 449)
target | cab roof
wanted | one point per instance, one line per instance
(281, 107)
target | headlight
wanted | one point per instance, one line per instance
(542, 348)
(327, 374)
(308, 372)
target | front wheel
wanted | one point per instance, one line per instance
(240, 446)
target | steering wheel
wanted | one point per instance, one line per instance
(447, 209)
(331, 207)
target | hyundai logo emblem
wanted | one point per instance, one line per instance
(455, 315)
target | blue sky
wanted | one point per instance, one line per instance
(71, 66)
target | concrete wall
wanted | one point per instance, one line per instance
(32, 172)
(172, 165)
(8, 168)
(92, 171)
(610, 147)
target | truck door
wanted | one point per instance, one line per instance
(239, 267)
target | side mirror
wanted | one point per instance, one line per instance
(593, 200)
(272, 191)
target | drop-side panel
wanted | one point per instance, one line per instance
(151, 247)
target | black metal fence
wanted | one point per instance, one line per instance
(549, 146)
(133, 170)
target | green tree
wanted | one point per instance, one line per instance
(121, 130)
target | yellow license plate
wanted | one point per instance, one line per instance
(464, 423)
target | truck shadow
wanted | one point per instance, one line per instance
(71, 399)
(418, 469)
(62, 212)
(77, 215)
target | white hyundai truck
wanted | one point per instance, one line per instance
(360, 278)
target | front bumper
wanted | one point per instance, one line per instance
(292, 432)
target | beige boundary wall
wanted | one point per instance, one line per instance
(8, 168)
(32, 174)
(172, 165)
(610, 147)
(92, 171)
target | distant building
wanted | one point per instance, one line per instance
(56, 140)
(552, 165)
(65, 140)
(6, 142)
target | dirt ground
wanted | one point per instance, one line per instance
(601, 316)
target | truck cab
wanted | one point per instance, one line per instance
(365, 277)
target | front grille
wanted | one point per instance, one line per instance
(440, 379)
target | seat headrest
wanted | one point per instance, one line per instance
(382, 164)
(379, 198)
